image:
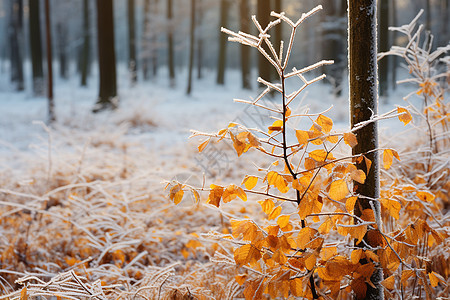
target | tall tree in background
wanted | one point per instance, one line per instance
(244, 12)
(15, 39)
(85, 53)
(191, 48)
(383, 64)
(334, 31)
(394, 58)
(145, 37)
(154, 41)
(170, 52)
(444, 31)
(36, 48)
(199, 39)
(48, 34)
(263, 16)
(132, 64)
(61, 32)
(221, 60)
(106, 56)
(363, 105)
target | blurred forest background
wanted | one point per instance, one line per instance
(155, 38)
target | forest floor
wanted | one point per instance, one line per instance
(83, 210)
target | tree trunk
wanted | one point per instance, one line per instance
(85, 54)
(191, 47)
(61, 31)
(245, 50)
(383, 64)
(15, 37)
(48, 31)
(222, 58)
(263, 16)
(145, 40)
(428, 15)
(106, 56)
(170, 43)
(363, 104)
(132, 64)
(36, 48)
(394, 58)
(444, 36)
(154, 43)
(199, 40)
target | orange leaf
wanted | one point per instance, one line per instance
(302, 136)
(350, 139)
(356, 255)
(405, 117)
(310, 261)
(358, 176)
(240, 279)
(392, 206)
(267, 206)
(246, 254)
(203, 145)
(215, 195)
(283, 221)
(233, 191)
(350, 203)
(328, 252)
(388, 156)
(324, 122)
(274, 213)
(338, 190)
(305, 236)
(435, 278)
(425, 196)
(275, 179)
(250, 182)
(238, 145)
(176, 193)
(276, 126)
(318, 155)
(248, 229)
(23, 294)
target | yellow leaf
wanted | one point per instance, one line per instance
(435, 278)
(203, 145)
(318, 155)
(296, 287)
(389, 282)
(326, 226)
(215, 195)
(276, 126)
(388, 156)
(338, 190)
(324, 122)
(193, 244)
(405, 116)
(392, 206)
(267, 206)
(250, 182)
(275, 179)
(358, 176)
(283, 221)
(425, 196)
(350, 204)
(406, 274)
(246, 254)
(333, 139)
(371, 255)
(358, 232)
(274, 213)
(23, 294)
(288, 112)
(176, 193)
(302, 136)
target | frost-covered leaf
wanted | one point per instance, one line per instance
(247, 254)
(338, 190)
(350, 139)
(405, 116)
